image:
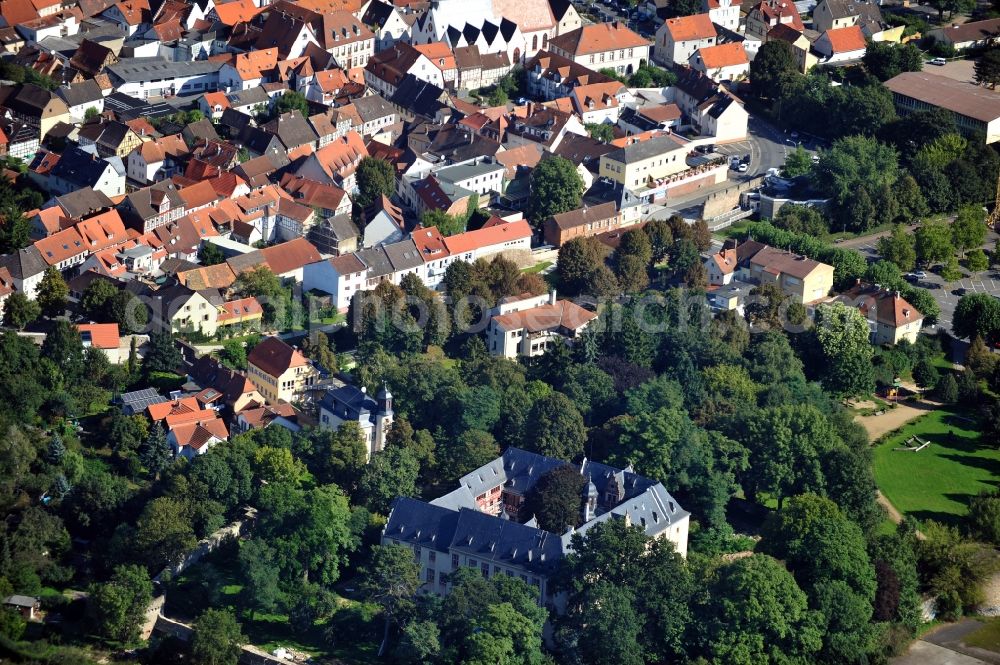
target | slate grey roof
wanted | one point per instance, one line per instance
(645, 149)
(376, 260)
(255, 95)
(349, 403)
(516, 469)
(418, 97)
(404, 255)
(372, 107)
(80, 93)
(24, 263)
(80, 167)
(604, 190)
(424, 524)
(465, 171)
(506, 542)
(83, 202)
(292, 129)
(158, 69)
(20, 601)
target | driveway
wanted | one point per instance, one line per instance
(946, 646)
(766, 146)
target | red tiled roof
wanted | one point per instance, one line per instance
(845, 40)
(100, 335)
(486, 237)
(687, 28)
(274, 357)
(562, 314)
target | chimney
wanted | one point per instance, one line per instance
(552, 297)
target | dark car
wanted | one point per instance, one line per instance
(960, 292)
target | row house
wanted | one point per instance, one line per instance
(154, 206)
(426, 254)
(479, 70)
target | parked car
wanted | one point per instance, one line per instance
(742, 168)
(937, 61)
(705, 149)
(815, 159)
(959, 291)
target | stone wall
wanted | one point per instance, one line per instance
(721, 202)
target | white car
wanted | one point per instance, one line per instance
(742, 168)
(940, 62)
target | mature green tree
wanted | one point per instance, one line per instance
(292, 101)
(340, 454)
(978, 314)
(556, 499)
(375, 178)
(579, 260)
(984, 517)
(209, 254)
(968, 231)
(756, 613)
(391, 579)
(555, 187)
(612, 634)
(128, 312)
(622, 557)
(951, 568)
(261, 581)
(164, 533)
(390, 473)
(15, 230)
(162, 355)
(603, 132)
(120, 604)
(218, 638)
(899, 247)
(976, 260)
(19, 311)
(96, 297)
(843, 336)
(925, 374)
(467, 452)
(447, 224)
(884, 60)
(127, 433)
(819, 542)
(310, 530)
(786, 445)
(987, 68)
(797, 163)
(558, 429)
(155, 453)
(52, 292)
(773, 62)
(853, 165)
(63, 347)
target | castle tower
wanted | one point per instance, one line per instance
(383, 418)
(589, 500)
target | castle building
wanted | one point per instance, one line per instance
(482, 523)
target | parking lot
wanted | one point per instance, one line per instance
(948, 295)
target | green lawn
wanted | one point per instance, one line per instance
(937, 482)
(736, 230)
(538, 267)
(987, 637)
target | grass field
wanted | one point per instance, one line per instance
(937, 482)
(987, 637)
